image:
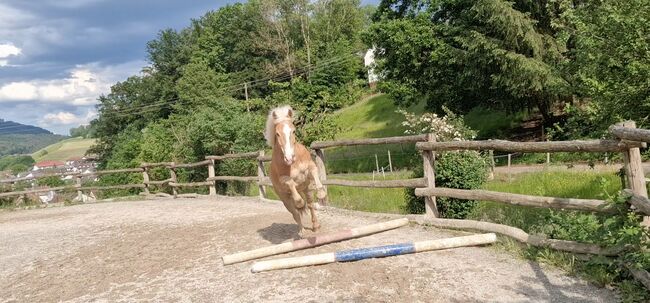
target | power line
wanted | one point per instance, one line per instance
(314, 67)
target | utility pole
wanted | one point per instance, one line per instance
(248, 108)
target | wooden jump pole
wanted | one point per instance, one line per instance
(313, 241)
(374, 252)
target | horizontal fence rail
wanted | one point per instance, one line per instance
(632, 134)
(517, 199)
(407, 183)
(532, 147)
(373, 141)
(524, 237)
(251, 155)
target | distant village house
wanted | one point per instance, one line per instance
(48, 164)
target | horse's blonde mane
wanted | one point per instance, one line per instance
(281, 114)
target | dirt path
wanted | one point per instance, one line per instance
(169, 250)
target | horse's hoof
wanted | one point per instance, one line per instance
(301, 233)
(315, 227)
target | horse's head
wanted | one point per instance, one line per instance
(285, 135)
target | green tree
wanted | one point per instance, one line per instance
(610, 47)
(466, 53)
(188, 103)
(16, 164)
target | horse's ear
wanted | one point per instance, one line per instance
(290, 113)
(275, 116)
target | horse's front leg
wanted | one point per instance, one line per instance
(297, 199)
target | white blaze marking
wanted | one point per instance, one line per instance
(288, 149)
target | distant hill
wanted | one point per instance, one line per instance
(12, 144)
(16, 138)
(10, 127)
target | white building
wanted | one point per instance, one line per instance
(369, 62)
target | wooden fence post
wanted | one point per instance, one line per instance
(634, 171)
(429, 159)
(174, 178)
(377, 163)
(80, 194)
(145, 180)
(213, 189)
(509, 171)
(491, 155)
(260, 175)
(320, 163)
(390, 162)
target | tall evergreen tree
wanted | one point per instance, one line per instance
(463, 53)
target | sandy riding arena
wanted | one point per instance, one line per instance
(170, 251)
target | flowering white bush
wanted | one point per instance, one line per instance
(447, 128)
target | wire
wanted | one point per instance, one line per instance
(333, 61)
(315, 67)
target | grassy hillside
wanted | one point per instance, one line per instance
(63, 150)
(373, 117)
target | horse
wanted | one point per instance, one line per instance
(293, 173)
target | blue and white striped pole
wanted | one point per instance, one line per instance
(374, 252)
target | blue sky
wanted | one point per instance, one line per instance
(58, 56)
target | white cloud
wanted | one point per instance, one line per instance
(67, 118)
(8, 49)
(83, 86)
(19, 91)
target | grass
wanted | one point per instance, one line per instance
(376, 117)
(373, 117)
(64, 150)
(583, 185)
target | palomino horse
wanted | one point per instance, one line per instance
(293, 173)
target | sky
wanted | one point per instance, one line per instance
(58, 56)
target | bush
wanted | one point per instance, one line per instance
(16, 163)
(51, 181)
(464, 170)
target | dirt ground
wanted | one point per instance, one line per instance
(170, 250)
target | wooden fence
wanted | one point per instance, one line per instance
(627, 139)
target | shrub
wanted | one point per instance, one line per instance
(464, 170)
(51, 181)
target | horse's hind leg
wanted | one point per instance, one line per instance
(296, 213)
(310, 203)
(319, 186)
